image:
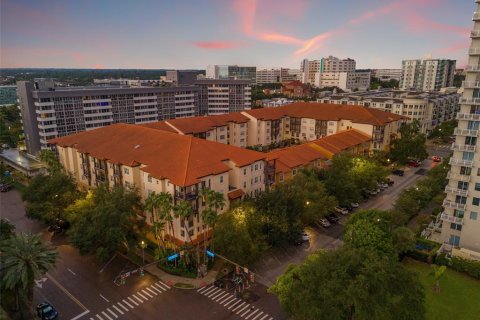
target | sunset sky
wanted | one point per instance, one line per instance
(194, 33)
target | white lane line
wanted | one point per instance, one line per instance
(251, 314)
(104, 298)
(92, 319)
(271, 318)
(166, 285)
(151, 291)
(221, 296)
(202, 289)
(148, 294)
(118, 309)
(266, 315)
(208, 291)
(133, 301)
(98, 316)
(258, 315)
(106, 315)
(217, 295)
(215, 291)
(141, 301)
(243, 308)
(159, 287)
(70, 270)
(123, 307)
(141, 295)
(80, 315)
(222, 302)
(156, 289)
(237, 306)
(233, 300)
(114, 314)
(128, 304)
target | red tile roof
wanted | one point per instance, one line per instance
(182, 159)
(342, 140)
(324, 111)
(160, 125)
(295, 156)
(235, 194)
(201, 124)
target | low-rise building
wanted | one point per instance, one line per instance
(154, 160)
(387, 74)
(295, 89)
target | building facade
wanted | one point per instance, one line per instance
(461, 218)
(429, 108)
(268, 76)
(427, 74)
(232, 72)
(182, 77)
(387, 74)
(223, 96)
(8, 95)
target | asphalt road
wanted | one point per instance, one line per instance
(80, 288)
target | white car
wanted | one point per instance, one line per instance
(341, 210)
(324, 223)
(305, 237)
(354, 204)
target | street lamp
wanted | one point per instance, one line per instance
(143, 245)
(307, 203)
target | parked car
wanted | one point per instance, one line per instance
(436, 159)
(372, 192)
(305, 237)
(355, 204)
(414, 163)
(365, 194)
(5, 187)
(341, 210)
(398, 172)
(333, 218)
(324, 223)
(219, 284)
(390, 182)
(46, 311)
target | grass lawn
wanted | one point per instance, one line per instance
(459, 298)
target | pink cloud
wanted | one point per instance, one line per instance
(418, 24)
(280, 38)
(246, 9)
(369, 15)
(215, 45)
(455, 47)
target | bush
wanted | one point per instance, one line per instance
(425, 250)
(470, 267)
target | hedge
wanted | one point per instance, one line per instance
(425, 251)
(470, 267)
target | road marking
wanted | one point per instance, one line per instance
(264, 316)
(226, 299)
(66, 292)
(246, 312)
(251, 314)
(104, 298)
(202, 289)
(208, 290)
(121, 305)
(220, 296)
(234, 300)
(163, 284)
(235, 304)
(141, 295)
(243, 308)
(141, 301)
(133, 301)
(128, 304)
(151, 291)
(106, 315)
(214, 291)
(217, 295)
(114, 314)
(238, 306)
(118, 310)
(98, 316)
(71, 271)
(156, 289)
(148, 294)
(81, 315)
(258, 315)
(159, 287)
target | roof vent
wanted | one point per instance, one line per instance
(136, 146)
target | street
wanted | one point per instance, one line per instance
(80, 288)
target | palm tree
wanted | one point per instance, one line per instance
(183, 210)
(24, 258)
(213, 202)
(151, 204)
(164, 210)
(437, 272)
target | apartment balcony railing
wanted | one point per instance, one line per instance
(471, 84)
(458, 177)
(460, 162)
(456, 191)
(446, 217)
(475, 34)
(470, 100)
(468, 116)
(453, 205)
(474, 51)
(476, 16)
(465, 132)
(462, 147)
(473, 68)
(185, 195)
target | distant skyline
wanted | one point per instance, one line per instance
(183, 34)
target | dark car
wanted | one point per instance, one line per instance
(5, 187)
(398, 172)
(219, 284)
(46, 311)
(414, 163)
(333, 218)
(390, 182)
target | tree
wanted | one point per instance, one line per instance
(183, 210)
(367, 173)
(152, 202)
(403, 239)
(51, 160)
(350, 284)
(410, 144)
(213, 202)
(105, 221)
(164, 210)
(438, 272)
(339, 179)
(24, 258)
(6, 229)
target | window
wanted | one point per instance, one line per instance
(256, 167)
(462, 185)
(221, 179)
(149, 178)
(125, 171)
(465, 170)
(476, 201)
(454, 240)
(460, 199)
(468, 156)
(294, 172)
(458, 213)
(182, 233)
(456, 226)
(244, 172)
(473, 215)
(477, 186)
(244, 184)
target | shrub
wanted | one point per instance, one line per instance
(470, 267)
(425, 250)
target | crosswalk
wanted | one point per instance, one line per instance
(121, 307)
(235, 305)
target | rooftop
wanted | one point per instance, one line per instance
(182, 159)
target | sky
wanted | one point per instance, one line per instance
(182, 34)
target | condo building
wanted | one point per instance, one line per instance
(159, 161)
(232, 72)
(429, 108)
(461, 218)
(8, 95)
(278, 75)
(387, 74)
(223, 96)
(427, 74)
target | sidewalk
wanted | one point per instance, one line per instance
(171, 280)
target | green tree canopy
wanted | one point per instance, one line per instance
(410, 144)
(7, 229)
(350, 284)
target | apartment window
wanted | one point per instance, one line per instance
(244, 172)
(456, 226)
(294, 172)
(222, 137)
(466, 171)
(476, 201)
(473, 215)
(256, 167)
(182, 233)
(460, 199)
(458, 213)
(477, 186)
(126, 171)
(244, 184)
(256, 179)
(280, 177)
(462, 185)
(454, 240)
(468, 156)
(149, 178)
(221, 179)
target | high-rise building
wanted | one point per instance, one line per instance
(310, 69)
(232, 72)
(387, 74)
(268, 76)
(427, 74)
(8, 95)
(334, 64)
(182, 77)
(223, 96)
(461, 218)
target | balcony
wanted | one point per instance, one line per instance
(446, 217)
(185, 195)
(476, 16)
(471, 84)
(468, 116)
(458, 177)
(475, 34)
(470, 100)
(453, 205)
(456, 191)
(474, 51)
(465, 132)
(473, 68)
(460, 162)
(462, 147)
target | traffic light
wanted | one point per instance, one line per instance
(122, 279)
(141, 272)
